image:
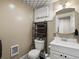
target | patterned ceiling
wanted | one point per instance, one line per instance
(37, 3)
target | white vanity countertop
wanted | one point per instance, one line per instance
(65, 44)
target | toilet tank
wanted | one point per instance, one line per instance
(39, 44)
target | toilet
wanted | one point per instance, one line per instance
(34, 53)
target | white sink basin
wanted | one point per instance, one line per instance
(69, 43)
(70, 40)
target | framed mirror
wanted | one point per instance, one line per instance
(65, 21)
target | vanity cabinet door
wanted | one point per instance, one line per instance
(70, 57)
(55, 55)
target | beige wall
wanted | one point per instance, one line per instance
(51, 31)
(15, 27)
(56, 7)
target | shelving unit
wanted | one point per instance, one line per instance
(39, 31)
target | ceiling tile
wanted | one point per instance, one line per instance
(36, 3)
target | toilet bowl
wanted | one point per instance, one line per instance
(34, 53)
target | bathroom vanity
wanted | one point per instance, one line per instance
(64, 50)
(63, 47)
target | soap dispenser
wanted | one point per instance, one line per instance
(76, 32)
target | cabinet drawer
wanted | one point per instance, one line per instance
(52, 52)
(69, 57)
(56, 48)
(56, 55)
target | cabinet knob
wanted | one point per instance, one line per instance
(61, 55)
(65, 56)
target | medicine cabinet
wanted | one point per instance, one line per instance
(66, 21)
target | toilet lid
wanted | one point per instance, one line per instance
(34, 53)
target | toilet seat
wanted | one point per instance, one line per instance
(34, 54)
